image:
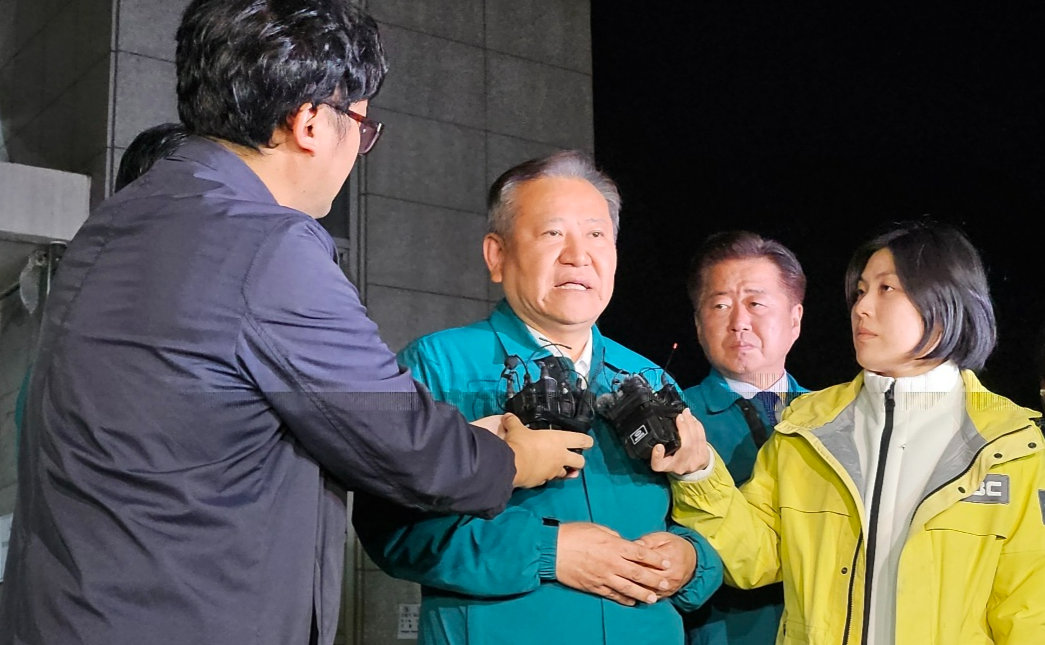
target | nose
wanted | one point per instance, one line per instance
(574, 251)
(739, 319)
(862, 306)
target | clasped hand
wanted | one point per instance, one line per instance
(597, 560)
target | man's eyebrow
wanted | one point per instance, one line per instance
(745, 290)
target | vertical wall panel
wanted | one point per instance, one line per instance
(556, 32)
(49, 52)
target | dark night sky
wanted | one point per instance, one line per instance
(817, 127)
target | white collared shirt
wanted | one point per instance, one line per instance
(748, 390)
(582, 365)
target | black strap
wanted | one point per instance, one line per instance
(754, 421)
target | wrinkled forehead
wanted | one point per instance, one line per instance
(743, 276)
(559, 200)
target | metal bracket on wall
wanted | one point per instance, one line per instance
(46, 258)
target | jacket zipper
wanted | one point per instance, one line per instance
(876, 502)
(852, 585)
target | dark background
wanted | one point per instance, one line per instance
(817, 127)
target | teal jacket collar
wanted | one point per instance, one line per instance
(517, 340)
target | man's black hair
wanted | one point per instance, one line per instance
(245, 66)
(147, 148)
(745, 245)
(943, 275)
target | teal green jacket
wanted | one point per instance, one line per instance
(733, 617)
(493, 581)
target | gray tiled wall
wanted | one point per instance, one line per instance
(460, 20)
(503, 152)
(555, 33)
(425, 248)
(405, 314)
(434, 77)
(539, 102)
(428, 161)
(54, 80)
(71, 94)
(143, 85)
(143, 96)
(147, 27)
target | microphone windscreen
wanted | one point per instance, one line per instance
(604, 402)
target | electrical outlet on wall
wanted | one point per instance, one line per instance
(409, 614)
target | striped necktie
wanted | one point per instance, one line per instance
(768, 402)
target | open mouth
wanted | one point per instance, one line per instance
(573, 286)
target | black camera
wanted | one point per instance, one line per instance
(553, 400)
(643, 417)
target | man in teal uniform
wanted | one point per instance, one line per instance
(747, 300)
(592, 558)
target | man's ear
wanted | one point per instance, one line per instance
(493, 253)
(305, 127)
(698, 327)
(796, 320)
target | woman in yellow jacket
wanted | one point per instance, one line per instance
(908, 506)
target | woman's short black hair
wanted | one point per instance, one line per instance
(943, 275)
(245, 66)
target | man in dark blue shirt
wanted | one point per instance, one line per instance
(208, 384)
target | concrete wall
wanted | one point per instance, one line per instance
(143, 79)
(80, 78)
(55, 66)
(41, 204)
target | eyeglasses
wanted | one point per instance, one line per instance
(369, 131)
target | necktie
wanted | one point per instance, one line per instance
(768, 402)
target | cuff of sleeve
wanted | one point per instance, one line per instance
(699, 475)
(548, 547)
(707, 578)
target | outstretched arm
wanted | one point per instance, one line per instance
(744, 528)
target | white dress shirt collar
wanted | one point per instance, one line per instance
(582, 365)
(748, 390)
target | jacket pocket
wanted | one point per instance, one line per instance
(816, 550)
(795, 633)
(973, 520)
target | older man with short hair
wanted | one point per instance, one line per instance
(592, 559)
(747, 294)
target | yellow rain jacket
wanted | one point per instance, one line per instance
(972, 569)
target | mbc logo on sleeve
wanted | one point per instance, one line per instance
(993, 490)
